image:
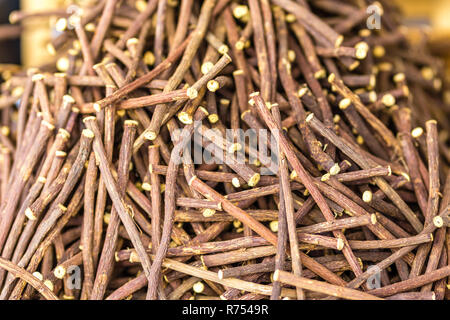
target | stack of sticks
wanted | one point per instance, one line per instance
(124, 173)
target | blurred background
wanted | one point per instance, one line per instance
(428, 15)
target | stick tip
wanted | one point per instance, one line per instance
(30, 214)
(367, 196)
(59, 272)
(276, 275)
(310, 117)
(208, 213)
(192, 93)
(335, 169)
(88, 134)
(331, 78)
(373, 218)
(185, 117)
(438, 222)
(151, 135)
(213, 85)
(340, 244)
(89, 119)
(254, 180)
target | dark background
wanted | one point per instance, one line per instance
(10, 49)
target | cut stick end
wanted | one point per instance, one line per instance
(320, 74)
(192, 93)
(131, 123)
(89, 119)
(276, 275)
(59, 272)
(97, 107)
(274, 226)
(254, 180)
(310, 117)
(213, 118)
(236, 183)
(335, 169)
(220, 274)
(339, 41)
(367, 196)
(438, 222)
(30, 214)
(185, 117)
(213, 85)
(151, 135)
(373, 218)
(340, 244)
(88, 134)
(208, 213)
(198, 287)
(42, 180)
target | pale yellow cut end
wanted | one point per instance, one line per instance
(59, 272)
(213, 85)
(207, 213)
(438, 222)
(417, 132)
(335, 169)
(325, 177)
(254, 180)
(192, 93)
(362, 48)
(274, 226)
(331, 78)
(185, 117)
(235, 147)
(388, 100)
(213, 118)
(131, 123)
(399, 77)
(321, 74)
(146, 186)
(42, 180)
(61, 24)
(367, 196)
(344, 103)
(30, 214)
(207, 67)
(60, 154)
(134, 257)
(293, 175)
(235, 182)
(149, 58)
(97, 107)
(379, 51)
(223, 49)
(276, 275)
(339, 41)
(198, 287)
(88, 133)
(150, 135)
(373, 218)
(340, 244)
(38, 275)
